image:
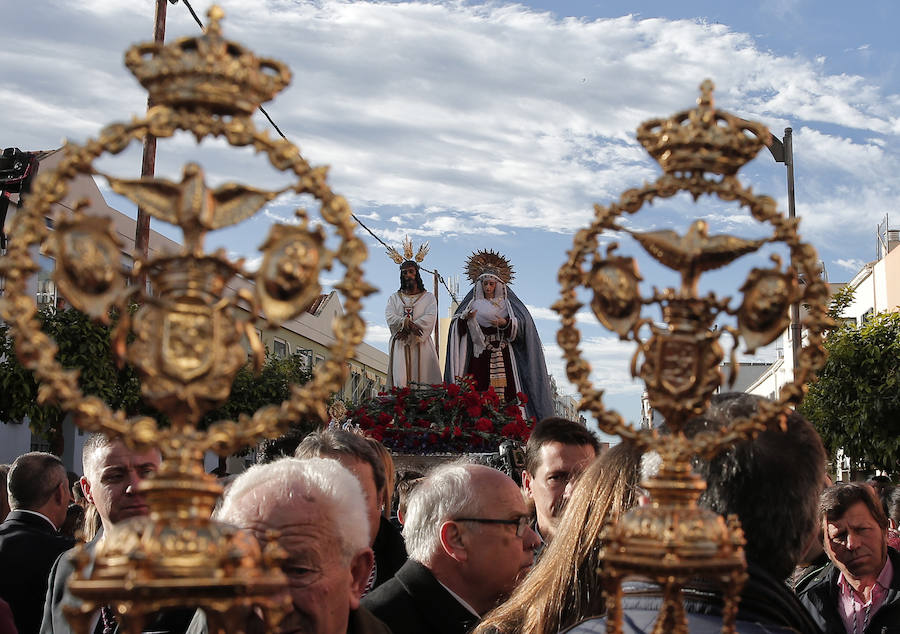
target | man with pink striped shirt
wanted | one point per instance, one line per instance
(859, 592)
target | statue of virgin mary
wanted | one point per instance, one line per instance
(493, 338)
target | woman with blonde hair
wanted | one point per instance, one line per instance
(564, 586)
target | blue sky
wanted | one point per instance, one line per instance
(496, 125)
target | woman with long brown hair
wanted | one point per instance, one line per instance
(564, 587)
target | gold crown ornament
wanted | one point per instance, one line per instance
(702, 139)
(185, 338)
(672, 540)
(207, 71)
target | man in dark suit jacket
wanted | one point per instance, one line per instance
(112, 473)
(469, 540)
(29, 537)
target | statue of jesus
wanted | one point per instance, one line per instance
(411, 314)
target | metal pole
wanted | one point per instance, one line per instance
(796, 331)
(148, 160)
(437, 321)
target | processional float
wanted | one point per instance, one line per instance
(672, 540)
(185, 339)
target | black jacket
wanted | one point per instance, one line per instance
(413, 602)
(820, 596)
(28, 548)
(767, 605)
(390, 552)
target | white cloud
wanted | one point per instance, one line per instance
(377, 335)
(548, 314)
(609, 359)
(852, 265)
(467, 119)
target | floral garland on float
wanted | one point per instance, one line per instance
(442, 418)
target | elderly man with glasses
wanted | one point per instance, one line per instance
(469, 538)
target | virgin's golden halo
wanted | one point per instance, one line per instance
(489, 262)
(207, 71)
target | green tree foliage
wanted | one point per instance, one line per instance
(855, 402)
(250, 391)
(85, 345)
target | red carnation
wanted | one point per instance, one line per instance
(452, 389)
(523, 398)
(484, 424)
(384, 418)
(474, 411)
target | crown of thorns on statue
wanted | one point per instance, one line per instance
(489, 263)
(408, 252)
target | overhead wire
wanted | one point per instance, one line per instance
(281, 134)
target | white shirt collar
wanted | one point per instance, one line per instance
(460, 599)
(47, 519)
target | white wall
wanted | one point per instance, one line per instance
(15, 439)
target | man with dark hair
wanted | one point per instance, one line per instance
(112, 473)
(557, 451)
(859, 591)
(29, 537)
(772, 484)
(4, 496)
(411, 314)
(358, 456)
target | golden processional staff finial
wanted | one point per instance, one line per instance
(185, 340)
(673, 541)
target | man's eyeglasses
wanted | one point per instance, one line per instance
(520, 523)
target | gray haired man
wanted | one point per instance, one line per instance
(469, 541)
(317, 508)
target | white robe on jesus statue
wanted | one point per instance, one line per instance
(413, 357)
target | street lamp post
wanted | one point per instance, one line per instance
(783, 152)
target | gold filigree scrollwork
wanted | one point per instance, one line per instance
(288, 280)
(88, 254)
(673, 540)
(186, 335)
(617, 300)
(768, 294)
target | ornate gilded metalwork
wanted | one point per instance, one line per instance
(673, 540)
(185, 338)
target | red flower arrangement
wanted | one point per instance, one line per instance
(442, 418)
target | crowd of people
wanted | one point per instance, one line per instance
(463, 548)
